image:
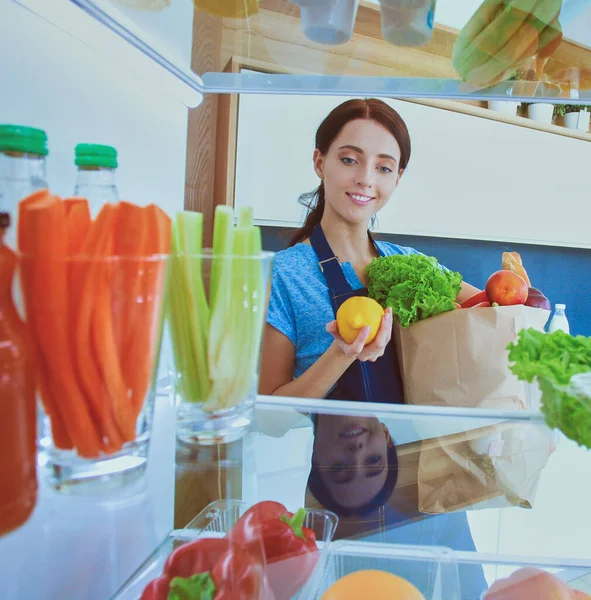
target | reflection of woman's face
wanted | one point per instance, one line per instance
(352, 454)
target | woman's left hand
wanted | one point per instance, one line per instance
(357, 349)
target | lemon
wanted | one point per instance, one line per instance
(356, 313)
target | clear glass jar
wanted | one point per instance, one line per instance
(96, 176)
(22, 170)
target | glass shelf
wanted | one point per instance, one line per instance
(288, 58)
(502, 477)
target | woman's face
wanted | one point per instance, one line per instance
(360, 170)
(352, 454)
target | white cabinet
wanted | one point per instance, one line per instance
(468, 177)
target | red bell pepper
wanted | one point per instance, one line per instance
(238, 575)
(246, 530)
(157, 589)
(290, 550)
(196, 557)
(210, 569)
(475, 299)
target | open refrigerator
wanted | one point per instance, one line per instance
(227, 49)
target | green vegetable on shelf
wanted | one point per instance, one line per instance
(215, 307)
(552, 359)
(414, 286)
(196, 587)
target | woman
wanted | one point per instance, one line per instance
(362, 150)
(355, 474)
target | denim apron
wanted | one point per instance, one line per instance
(378, 381)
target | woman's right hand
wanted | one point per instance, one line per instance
(358, 350)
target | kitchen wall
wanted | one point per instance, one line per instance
(468, 177)
(52, 81)
(474, 188)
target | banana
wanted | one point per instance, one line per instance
(546, 11)
(491, 39)
(521, 46)
(481, 19)
(484, 55)
(550, 39)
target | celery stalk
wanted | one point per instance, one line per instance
(189, 313)
(220, 290)
(223, 229)
(243, 321)
(257, 297)
(246, 217)
(177, 309)
(232, 332)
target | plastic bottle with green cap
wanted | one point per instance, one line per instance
(22, 169)
(95, 179)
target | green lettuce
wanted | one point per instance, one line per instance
(414, 286)
(552, 359)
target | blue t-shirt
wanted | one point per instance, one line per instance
(300, 307)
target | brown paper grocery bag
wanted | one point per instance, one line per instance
(490, 467)
(460, 358)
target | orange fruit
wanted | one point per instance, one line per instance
(356, 313)
(377, 585)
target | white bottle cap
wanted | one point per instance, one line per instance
(563, 306)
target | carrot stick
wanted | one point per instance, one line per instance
(45, 274)
(84, 286)
(23, 243)
(129, 240)
(69, 203)
(60, 435)
(159, 228)
(108, 359)
(78, 223)
(61, 439)
(140, 357)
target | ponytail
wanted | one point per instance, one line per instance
(315, 202)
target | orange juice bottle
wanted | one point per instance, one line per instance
(18, 414)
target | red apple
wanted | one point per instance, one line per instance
(529, 583)
(536, 299)
(506, 288)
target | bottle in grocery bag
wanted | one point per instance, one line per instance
(96, 175)
(18, 409)
(559, 320)
(22, 170)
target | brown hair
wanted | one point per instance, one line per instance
(370, 108)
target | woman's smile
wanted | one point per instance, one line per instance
(352, 432)
(360, 199)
